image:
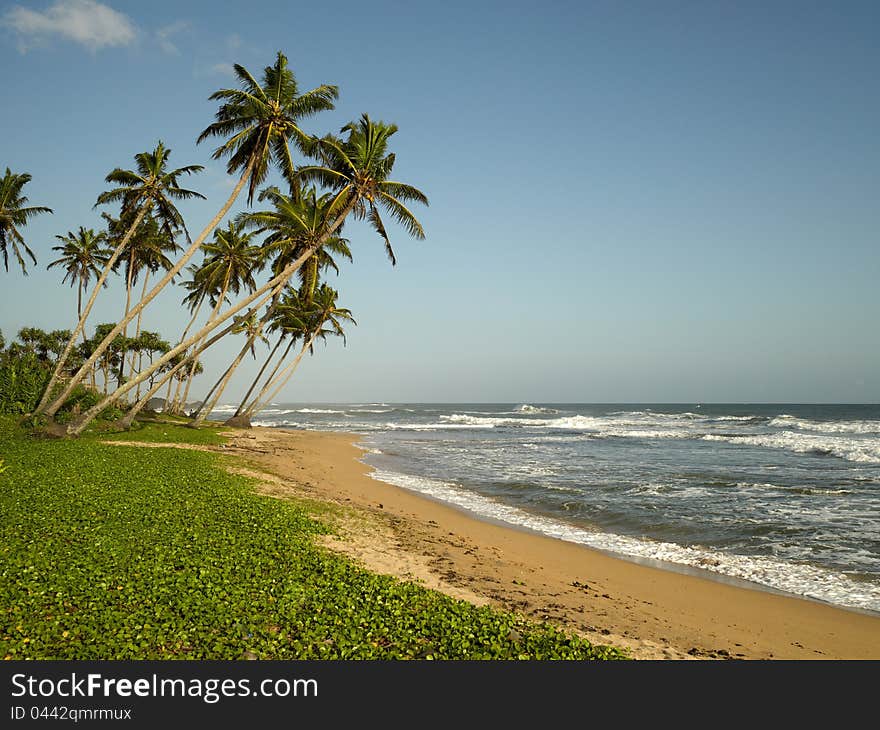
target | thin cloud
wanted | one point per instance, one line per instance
(165, 34)
(222, 68)
(86, 22)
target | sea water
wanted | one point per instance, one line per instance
(786, 497)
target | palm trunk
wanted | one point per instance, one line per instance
(249, 408)
(79, 297)
(129, 281)
(206, 407)
(192, 370)
(129, 417)
(137, 334)
(81, 325)
(250, 390)
(188, 254)
(208, 404)
(201, 414)
(79, 302)
(182, 337)
(282, 380)
(273, 286)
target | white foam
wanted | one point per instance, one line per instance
(805, 424)
(799, 579)
(224, 408)
(860, 450)
(526, 408)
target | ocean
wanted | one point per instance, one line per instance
(786, 497)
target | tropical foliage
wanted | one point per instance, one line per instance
(325, 180)
(14, 216)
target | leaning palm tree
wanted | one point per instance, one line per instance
(295, 222)
(321, 318)
(230, 263)
(253, 328)
(83, 255)
(309, 275)
(259, 121)
(14, 215)
(197, 293)
(358, 169)
(288, 321)
(145, 253)
(151, 187)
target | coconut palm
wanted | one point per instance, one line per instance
(253, 328)
(293, 225)
(230, 263)
(151, 187)
(357, 168)
(14, 215)
(83, 255)
(197, 293)
(258, 121)
(322, 318)
(145, 253)
(288, 321)
(309, 274)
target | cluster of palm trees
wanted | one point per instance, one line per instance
(300, 230)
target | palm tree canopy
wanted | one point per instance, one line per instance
(229, 264)
(148, 247)
(323, 311)
(82, 255)
(294, 225)
(260, 120)
(152, 183)
(14, 215)
(302, 317)
(357, 169)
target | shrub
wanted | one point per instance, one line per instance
(23, 378)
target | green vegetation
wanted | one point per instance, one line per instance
(154, 553)
(168, 433)
(26, 365)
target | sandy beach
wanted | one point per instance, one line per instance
(654, 613)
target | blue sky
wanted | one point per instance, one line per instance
(630, 202)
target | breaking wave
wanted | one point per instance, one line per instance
(861, 450)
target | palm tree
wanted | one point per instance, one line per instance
(294, 224)
(146, 252)
(193, 301)
(317, 312)
(83, 255)
(251, 326)
(288, 249)
(150, 187)
(261, 121)
(358, 170)
(230, 263)
(287, 320)
(14, 216)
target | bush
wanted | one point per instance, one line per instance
(23, 378)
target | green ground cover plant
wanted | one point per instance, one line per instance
(111, 552)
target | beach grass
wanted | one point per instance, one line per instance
(110, 552)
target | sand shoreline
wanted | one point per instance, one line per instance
(653, 612)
